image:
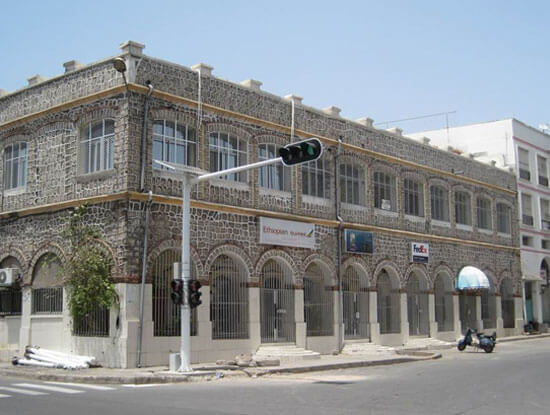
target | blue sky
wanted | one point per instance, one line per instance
(387, 60)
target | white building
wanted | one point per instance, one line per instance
(511, 144)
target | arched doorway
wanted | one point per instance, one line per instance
(356, 304)
(276, 303)
(545, 290)
(318, 303)
(508, 306)
(470, 282)
(444, 314)
(389, 304)
(489, 306)
(417, 305)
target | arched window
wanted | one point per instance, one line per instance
(47, 289)
(166, 315)
(352, 184)
(413, 192)
(439, 199)
(228, 299)
(483, 213)
(174, 142)
(444, 316)
(227, 151)
(274, 176)
(388, 305)
(318, 303)
(10, 297)
(97, 146)
(463, 208)
(15, 166)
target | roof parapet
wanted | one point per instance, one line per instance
(132, 48)
(203, 68)
(332, 110)
(72, 66)
(35, 79)
(294, 98)
(3, 92)
(252, 84)
(396, 130)
(366, 121)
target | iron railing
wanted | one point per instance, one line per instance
(47, 300)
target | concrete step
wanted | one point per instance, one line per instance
(364, 348)
(286, 353)
(427, 343)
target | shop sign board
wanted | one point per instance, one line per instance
(287, 233)
(358, 242)
(420, 252)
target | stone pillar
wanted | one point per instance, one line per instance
(518, 311)
(500, 321)
(299, 317)
(404, 317)
(457, 326)
(537, 301)
(374, 326)
(25, 330)
(255, 331)
(479, 320)
(338, 325)
(431, 315)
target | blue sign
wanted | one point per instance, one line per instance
(358, 242)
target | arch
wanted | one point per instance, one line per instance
(234, 252)
(48, 247)
(448, 272)
(19, 256)
(326, 264)
(175, 245)
(318, 298)
(230, 129)
(280, 257)
(444, 288)
(420, 271)
(361, 268)
(355, 298)
(393, 271)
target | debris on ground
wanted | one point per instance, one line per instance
(38, 357)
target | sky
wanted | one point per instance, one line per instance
(467, 61)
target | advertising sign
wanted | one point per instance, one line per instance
(358, 242)
(287, 233)
(420, 252)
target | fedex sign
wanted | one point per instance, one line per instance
(420, 252)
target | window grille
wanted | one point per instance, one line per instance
(443, 305)
(388, 305)
(94, 324)
(318, 304)
(47, 300)
(229, 299)
(10, 301)
(356, 305)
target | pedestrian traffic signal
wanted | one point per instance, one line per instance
(194, 293)
(301, 152)
(177, 292)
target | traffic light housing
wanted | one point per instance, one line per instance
(301, 152)
(177, 292)
(194, 293)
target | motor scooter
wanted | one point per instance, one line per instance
(481, 341)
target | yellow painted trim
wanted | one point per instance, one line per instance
(171, 200)
(268, 124)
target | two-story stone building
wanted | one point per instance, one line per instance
(364, 245)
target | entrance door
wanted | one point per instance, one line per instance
(277, 305)
(355, 306)
(417, 308)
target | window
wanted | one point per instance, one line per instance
(414, 197)
(274, 176)
(228, 151)
(15, 166)
(527, 240)
(10, 297)
(483, 211)
(174, 142)
(543, 173)
(526, 210)
(545, 214)
(97, 146)
(384, 191)
(316, 179)
(463, 208)
(352, 184)
(439, 197)
(504, 218)
(47, 292)
(523, 159)
(545, 244)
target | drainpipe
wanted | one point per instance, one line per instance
(339, 248)
(143, 275)
(144, 135)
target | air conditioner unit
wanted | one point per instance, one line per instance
(8, 276)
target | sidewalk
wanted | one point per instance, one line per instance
(206, 372)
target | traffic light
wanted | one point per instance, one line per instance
(194, 293)
(177, 292)
(301, 152)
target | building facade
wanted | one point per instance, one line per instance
(363, 245)
(511, 144)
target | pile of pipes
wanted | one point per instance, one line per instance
(38, 357)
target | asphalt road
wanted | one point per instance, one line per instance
(515, 379)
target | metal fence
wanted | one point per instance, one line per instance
(93, 324)
(388, 306)
(277, 304)
(356, 305)
(228, 300)
(166, 315)
(318, 304)
(443, 306)
(488, 308)
(47, 300)
(10, 302)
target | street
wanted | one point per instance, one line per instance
(514, 379)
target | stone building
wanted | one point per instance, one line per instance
(264, 243)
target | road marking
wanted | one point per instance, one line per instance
(4, 396)
(147, 385)
(21, 391)
(47, 388)
(83, 385)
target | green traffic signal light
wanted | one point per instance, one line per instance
(301, 152)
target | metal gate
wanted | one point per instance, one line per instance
(277, 304)
(417, 305)
(356, 306)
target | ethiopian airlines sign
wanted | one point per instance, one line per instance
(287, 233)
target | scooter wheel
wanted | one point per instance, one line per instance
(489, 349)
(460, 346)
